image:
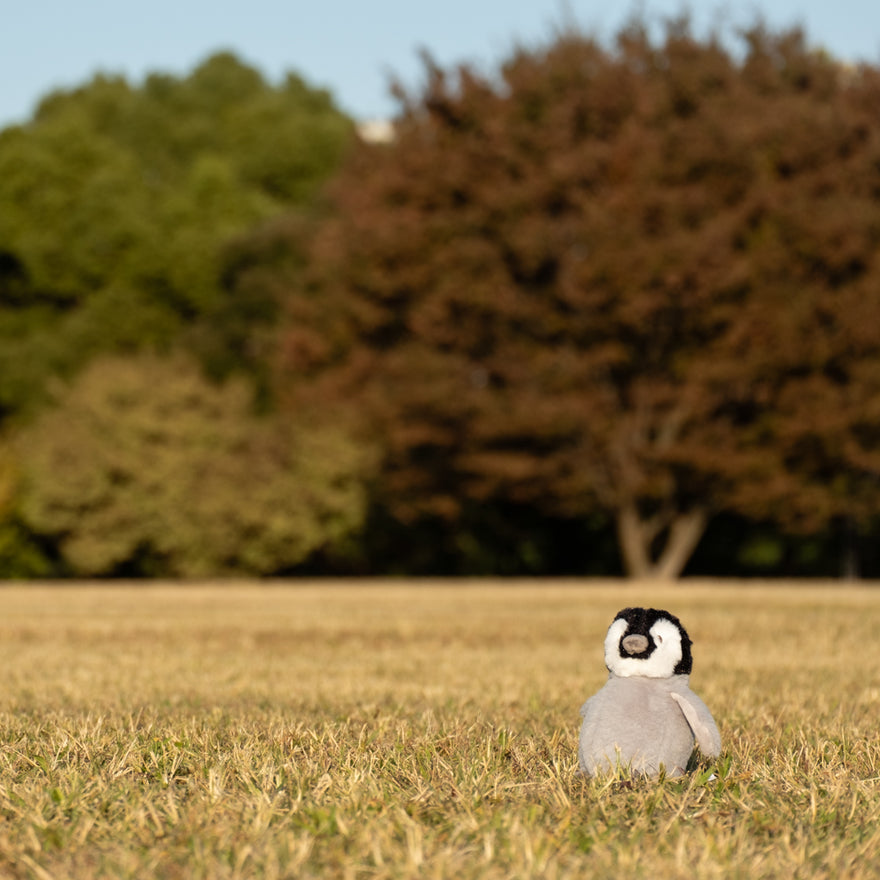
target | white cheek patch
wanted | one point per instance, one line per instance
(612, 644)
(663, 660)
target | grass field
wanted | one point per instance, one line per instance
(429, 730)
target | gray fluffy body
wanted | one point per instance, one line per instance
(646, 718)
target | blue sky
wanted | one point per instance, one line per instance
(348, 46)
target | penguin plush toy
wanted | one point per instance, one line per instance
(646, 718)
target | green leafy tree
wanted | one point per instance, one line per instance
(634, 278)
(146, 468)
(116, 202)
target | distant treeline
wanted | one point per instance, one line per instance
(612, 308)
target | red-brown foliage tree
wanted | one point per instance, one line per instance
(643, 277)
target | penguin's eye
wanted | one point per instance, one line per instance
(658, 640)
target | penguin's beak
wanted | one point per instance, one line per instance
(635, 644)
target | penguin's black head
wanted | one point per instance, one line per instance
(647, 642)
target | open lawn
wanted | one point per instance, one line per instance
(423, 730)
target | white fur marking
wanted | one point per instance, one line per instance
(662, 662)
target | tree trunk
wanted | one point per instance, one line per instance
(680, 538)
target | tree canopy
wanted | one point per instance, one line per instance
(637, 278)
(144, 467)
(613, 297)
(116, 202)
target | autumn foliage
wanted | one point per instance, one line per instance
(641, 279)
(595, 311)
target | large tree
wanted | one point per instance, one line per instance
(607, 277)
(116, 201)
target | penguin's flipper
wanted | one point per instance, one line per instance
(701, 723)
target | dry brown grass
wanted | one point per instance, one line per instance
(423, 730)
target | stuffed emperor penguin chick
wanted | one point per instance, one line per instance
(646, 717)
